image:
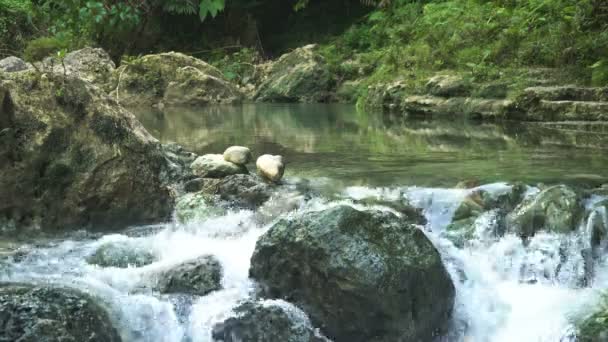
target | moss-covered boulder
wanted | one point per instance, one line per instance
(196, 207)
(360, 275)
(32, 313)
(556, 209)
(171, 78)
(298, 76)
(90, 64)
(121, 254)
(266, 321)
(195, 277)
(71, 157)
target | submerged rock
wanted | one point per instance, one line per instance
(196, 207)
(555, 209)
(71, 157)
(266, 321)
(360, 276)
(33, 313)
(195, 277)
(298, 76)
(13, 64)
(171, 78)
(270, 167)
(239, 155)
(214, 166)
(121, 254)
(241, 191)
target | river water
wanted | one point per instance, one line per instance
(507, 290)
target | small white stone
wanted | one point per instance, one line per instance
(271, 167)
(238, 154)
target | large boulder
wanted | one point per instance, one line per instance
(171, 78)
(298, 76)
(266, 321)
(215, 166)
(71, 157)
(121, 254)
(31, 313)
(360, 275)
(241, 191)
(556, 209)
(13, 64)
(195, 277)
(90, 64)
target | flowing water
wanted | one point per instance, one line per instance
(507, 290)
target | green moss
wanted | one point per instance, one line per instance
(43, 47)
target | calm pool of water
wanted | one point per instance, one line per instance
(351, 147)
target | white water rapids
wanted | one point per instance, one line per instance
(506, 290)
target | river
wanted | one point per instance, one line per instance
(506, 290)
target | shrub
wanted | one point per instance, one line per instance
(41, 48)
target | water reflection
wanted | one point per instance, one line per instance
(340, 143)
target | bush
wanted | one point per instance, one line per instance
(15, 26)
(41, 48)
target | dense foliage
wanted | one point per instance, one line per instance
(16, 25)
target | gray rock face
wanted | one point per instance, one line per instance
(556, 209)
(90, 64)
(214, 166)
(298, 76)
(242, 191)
(448, 85)
(266, 321)
(13, 64)
(65, 139)
(239, 155)
(173, 79)
(271, 167)
(361, 276)
(196, 277)
(31, 313)
(121, 254)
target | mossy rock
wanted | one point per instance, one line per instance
(360, 275)
(594, 327)
(171, 78)
(196, 207)
(122, 255)
(298, 76)
(556, 209)
(32, 313)
(64, 138)
(267, 321)
(196, 277)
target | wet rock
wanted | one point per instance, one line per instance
(555, 209)
(33, 313)
(194, 185)
(448, 86)
(13, 64)
(196, 277)
(266, 321)
(173, 79)
(242, 191)
(196, 207)
(65, 139)
(121, 254)
(597, 222)
(239, 155)
(410, 213)
(270, 167)
(487, 226)
(298, 76)
(214, 166)
(360, 276)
